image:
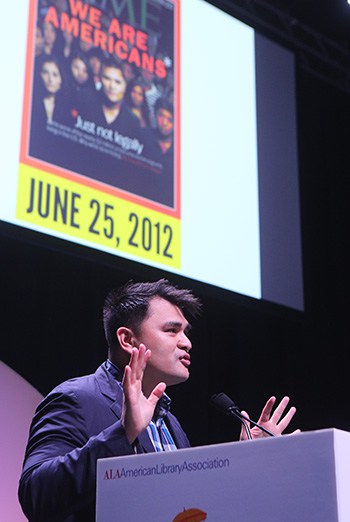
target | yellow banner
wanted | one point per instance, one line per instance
(65, 206)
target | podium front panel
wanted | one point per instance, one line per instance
(281, 479)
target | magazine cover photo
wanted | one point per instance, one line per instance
(102, 94)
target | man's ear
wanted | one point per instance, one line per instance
(126, 339)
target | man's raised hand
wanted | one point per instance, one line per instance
(137, 411)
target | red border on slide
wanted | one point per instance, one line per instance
(83, 180)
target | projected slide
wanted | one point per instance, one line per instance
(139, 136)
(99, 133)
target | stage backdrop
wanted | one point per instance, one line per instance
(18, 400)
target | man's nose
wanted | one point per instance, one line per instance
(184, 342)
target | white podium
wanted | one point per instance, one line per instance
(298, 478)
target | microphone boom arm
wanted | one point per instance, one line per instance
(235, 411)
(223, 403)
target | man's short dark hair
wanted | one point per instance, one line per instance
(164, 103)
(128, 305)
(113, 64)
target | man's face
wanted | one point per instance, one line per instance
(95, 64)
(147, 77)
(39, 41)
(165, 122)
(137, 96)
(113, 84)
(79, 71)
(164, 332)
(49, 33)
(128, 72)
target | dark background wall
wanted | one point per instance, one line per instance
(51, 323)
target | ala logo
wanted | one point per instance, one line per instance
(111, 474)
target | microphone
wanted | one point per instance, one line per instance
(223, 403)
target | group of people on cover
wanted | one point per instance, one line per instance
(72, 78)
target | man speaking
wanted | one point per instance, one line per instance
(122, 408)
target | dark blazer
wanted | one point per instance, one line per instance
(76, 424)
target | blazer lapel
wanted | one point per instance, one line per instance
(110, 387)
(145, 442)
(179, 436)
